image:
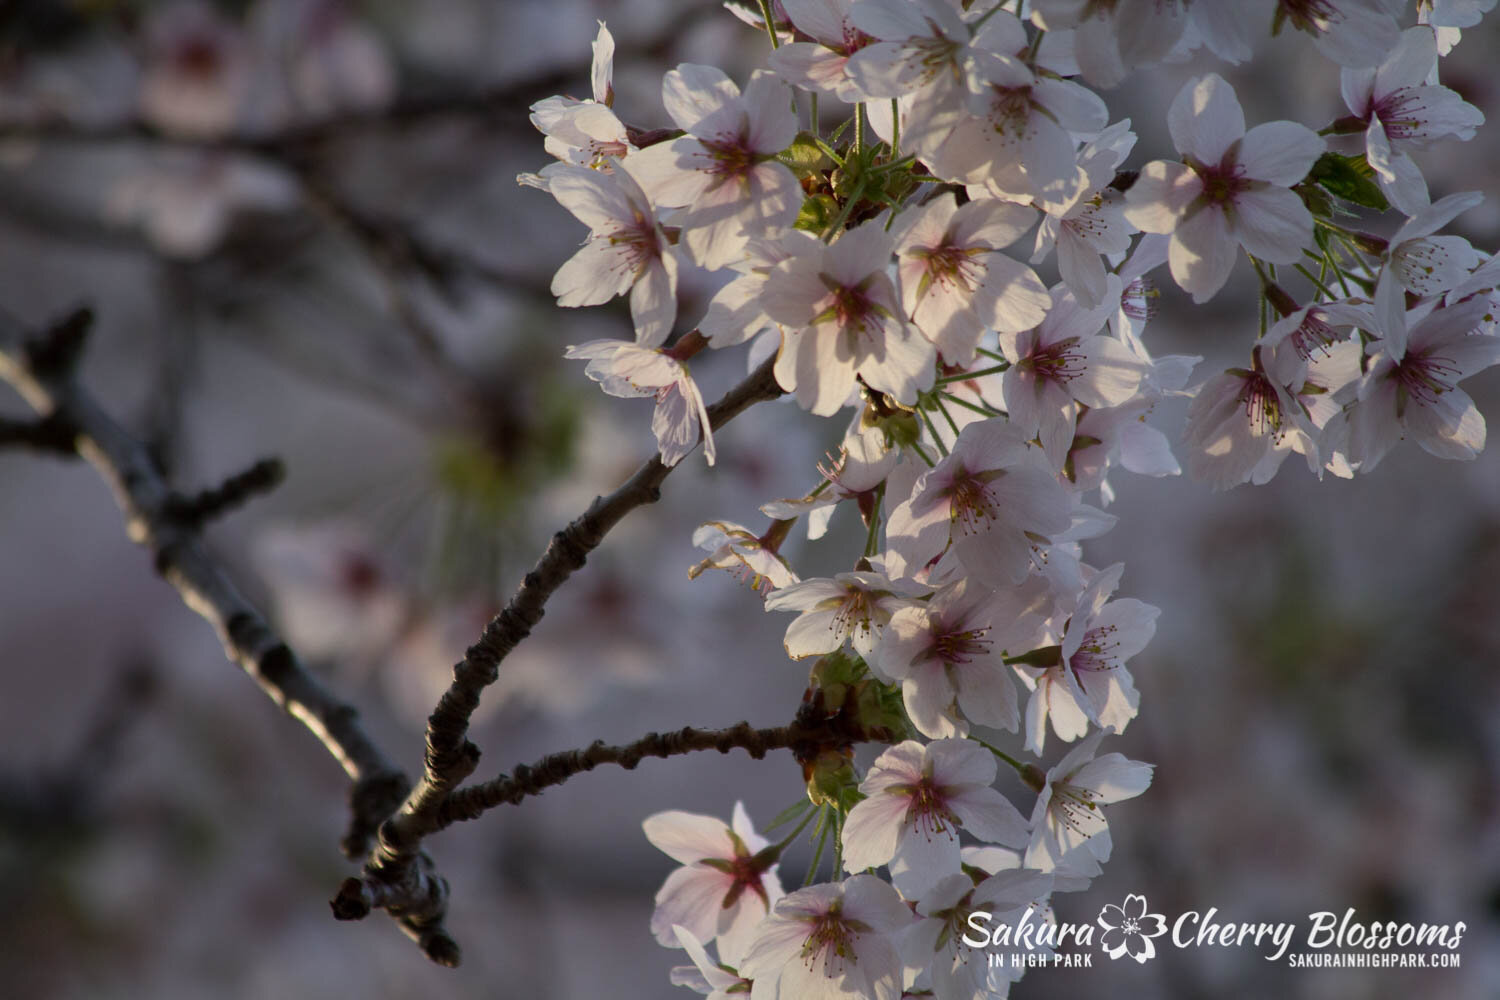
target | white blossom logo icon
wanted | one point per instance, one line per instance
(1128, 929)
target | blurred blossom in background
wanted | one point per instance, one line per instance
(299, 224)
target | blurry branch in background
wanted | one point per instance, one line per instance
(48, 801)
(398, 877)
(169, 524)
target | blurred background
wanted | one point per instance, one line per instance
(299, 226)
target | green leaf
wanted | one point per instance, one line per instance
(1350, 178)
(791, 812)
(817, 214)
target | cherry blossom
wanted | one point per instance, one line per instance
(850, 606)
(819, 65)
(1064, 364)
(747, 556)
(627, 369)
(1404, 113)
(726, 885)
(1416, 261)
(1090, 221)
(1231, 192)
(936, 942)
(843, 321)
(949, 655)
(1112, 38)
(991, 498)
(1090, 682)
(723, 173)
(916, 798)
(953, 283)
(831, 940)
(626, 249)
(1068, 823)
(1418, 394)
(1016, 142)
(585, 133)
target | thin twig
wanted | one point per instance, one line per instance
(159, 519)
(397, 876)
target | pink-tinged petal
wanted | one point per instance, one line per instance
(771, 122)
(872, 902)
(872, 830)
(688, 837)
(991, 817)
(1398, 175)
(653, 301)
(994, 224)
(956, 763)
(668, 171)
(1280, 152)
(814, 634)
(1390, 313)
(1056, 427)
(810, 66)
(822, 19)
(1362, 37)
(1113, 777)
(929, 701)
(987, 691)
(922, 858)
(597, 199)
(1081, 268)
(1202, 253)
(1113, 373)
(602, 69)
(691, 897)
(1205, 119)
(904, 367)
(1273, 224)
(1357, 86)
(675, 424)
(1409, 62)
(1012, 297)
(1074, 107)
(1448, 427)
(1162, 192)
(592, 276)
(693, 93)
(713, 227)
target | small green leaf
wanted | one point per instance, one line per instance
(1350, 178)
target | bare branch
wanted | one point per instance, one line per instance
(162, 521)
(394, 877)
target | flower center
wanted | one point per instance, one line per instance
(1262, 407)
(1425, 378)
(1060, 362)
(1096, 652)
(960, 647)
(951, 266)
(1010, 110)
(1223, 182)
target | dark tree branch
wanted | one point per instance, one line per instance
(397, 875)
(806, 738)
(162, 521)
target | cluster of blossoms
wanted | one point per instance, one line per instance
(881, 263)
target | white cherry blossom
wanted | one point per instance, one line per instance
(954, 283)
(916, 799)
(1067, 824)
(627, 369)
(850, 606)
(1231, 192)
(1418, 394)
(1404, 113)
(991, 498)
(725, 887)
(949, 654)
(723, 174)
(831, 940)
(626, 249)
(843, 320)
